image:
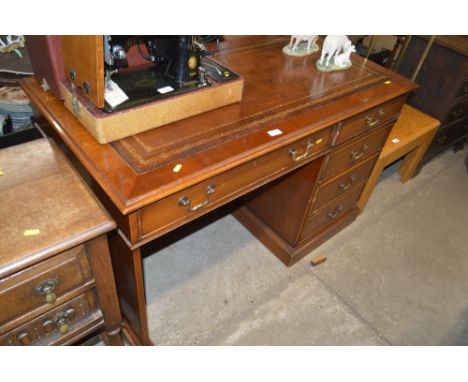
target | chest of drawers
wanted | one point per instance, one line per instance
(302, 209)
(443, 88)
(56, 279)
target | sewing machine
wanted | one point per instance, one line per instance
(121, 85)
(148, 68)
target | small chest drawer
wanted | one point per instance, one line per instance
(369, 120)
(355, 152)
(447, 134)
(339, 185)
(463, 91)
(56, 323)
(43, 284)
(457, 111)
(331, 212)
(204, 196)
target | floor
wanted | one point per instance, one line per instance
(398, 275)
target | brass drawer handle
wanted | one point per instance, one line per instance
(336, 213)
(370, 122)
(62, 320)
(297, 158)
(457, 113)
(442, 139)
(47, 288)
(345, 186)
(186, 202)
(24, 338)
(356, 155)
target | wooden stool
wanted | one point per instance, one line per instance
(410, 137)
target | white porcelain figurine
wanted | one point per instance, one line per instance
(301, 45)
(336, 53)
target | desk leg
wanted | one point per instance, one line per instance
(412, 159)
(105, 289)
(128, 271)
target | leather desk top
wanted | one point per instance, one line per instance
(281, 92)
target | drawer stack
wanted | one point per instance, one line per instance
(454, 127)
(442, 93)
(51, 302)
(321, 195)
(56, 280)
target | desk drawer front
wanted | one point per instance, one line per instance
(44, 283)
(457, 111)
(463, 91)
(331, 213)
(193, 201)
(337, 186)
(356, 152)
(369, 120)
(54, 324)
(449, 133)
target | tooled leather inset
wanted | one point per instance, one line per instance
(143, 157)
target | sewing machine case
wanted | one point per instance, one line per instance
(83, 91)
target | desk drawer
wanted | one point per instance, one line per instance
(331, 213)
(42, 284)
(58, 322)
(369, 120)
(339, 185)
(183, 206)
(449, 133)
(457, 111)
(463, 91)
(355, 152)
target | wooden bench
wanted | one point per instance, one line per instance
(410, 137)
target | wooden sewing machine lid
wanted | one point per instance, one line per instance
(45, 207)
(280, 91)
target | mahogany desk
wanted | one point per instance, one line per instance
(305, 141)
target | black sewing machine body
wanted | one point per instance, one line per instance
(149, 68)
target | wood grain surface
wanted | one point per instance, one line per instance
(139, 171)
(45, 207)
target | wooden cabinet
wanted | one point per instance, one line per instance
(56, 279)
(294, 154)
(443, 88)
(296, 213)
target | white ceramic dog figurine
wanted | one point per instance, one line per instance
(332, 46)
(342, 60)
(298, 39)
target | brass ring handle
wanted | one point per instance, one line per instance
(47, 288)
(343, 187)
(186, 202)
(370, 122)
(442, 139)
(62, 320)
(297, 158)
(24, 338)
(356, 155)
(336, 213)
(457, 113)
